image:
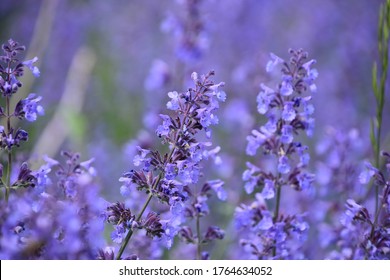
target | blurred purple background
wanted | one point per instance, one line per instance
(106, 67)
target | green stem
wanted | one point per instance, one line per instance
(8, 185)
(177, 137)
(276, 213)
(199, 245)
(383, 45)
(377, 213)
(9, 163)
(130, 233)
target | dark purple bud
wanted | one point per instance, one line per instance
(117, 213)
(186, 234)
(205, 255)
(213, 233)
(25, 177)
(105, 255)
(20, 135)
(132, 257)
(152, 225)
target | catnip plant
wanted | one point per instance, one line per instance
(270, 233)
(365, 233)
(40, 220)
(261, 193)
(12, 137)
(168, 177)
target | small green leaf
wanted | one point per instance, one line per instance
(387, 13)
(385, 29)
(372, 135)
(374, 80)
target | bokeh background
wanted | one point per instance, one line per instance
(106, 68)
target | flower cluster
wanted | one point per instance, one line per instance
(269, 238)
(11, 69)
(46, 223)
(288, 110)
(339, 155)
(189, 32)
(195, 210)
(170, 201)
(167, 176)
(366, 235)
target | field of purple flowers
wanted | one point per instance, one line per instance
(194, 129)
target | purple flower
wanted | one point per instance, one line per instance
(243, 217)
(256, 140)
(168, 176)
(31, 108)
(250, 178)
(312, 74)
(189, 34)
(308, 109)
(170, 171)
(217, 186)
(369, 172)
(264, 99)
(34, 69)
(305, 179)
(304, 156)
(213, 233)
(170, 232)
(266, 222)
(268, 190)
(271, 125)
(159, 76)
(286, 87)
(275, 60)
(127, 186)
(118, 234)
(42, 177)
(164, 128)
(288, 113)
(174, 103)
(87, 165)
(287, 136)
(284, 165)
(354, 211)
(218, 92)
(274, 235)
(141, 157)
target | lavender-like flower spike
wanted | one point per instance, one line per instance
(167, 177)
(189, 33)
(369, 233)
(43, 223)
(29, 108)
(33, 68)
(11, 68)
(288, 110)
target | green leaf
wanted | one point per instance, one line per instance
(385, 30)
(372, 135)
(387, 13)
(375, 80)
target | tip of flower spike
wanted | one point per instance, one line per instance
(217, 186)
(275, 60)
(34, 69)
(366, 175)
(31, 108)
(194, 76)
(49, 161)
